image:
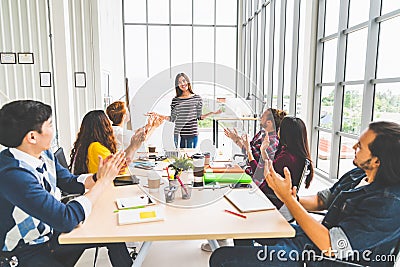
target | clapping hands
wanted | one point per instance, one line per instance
(111, 166)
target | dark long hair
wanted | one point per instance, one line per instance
(95, 127)
(293, 135)
(386, 147)
(177, 89)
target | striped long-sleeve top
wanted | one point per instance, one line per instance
(184, 113)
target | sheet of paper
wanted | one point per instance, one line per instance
(150, 214)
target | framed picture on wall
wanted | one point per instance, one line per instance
(45, 79)
(80, 79)
(25, 58)
(8, 58)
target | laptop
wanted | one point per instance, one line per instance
(247, 200)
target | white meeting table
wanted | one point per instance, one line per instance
(206, 222)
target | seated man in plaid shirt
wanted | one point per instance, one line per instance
(270, 121)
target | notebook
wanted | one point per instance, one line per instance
(249, 200)
(149, 214)
(225, 168)
(232, 178)
(131, 202)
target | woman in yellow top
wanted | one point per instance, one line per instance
(96, 138)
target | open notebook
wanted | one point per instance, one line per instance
(149, 214)
(247, 200)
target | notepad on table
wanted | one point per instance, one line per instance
(149, 214)
(132, 202)
(249, 200)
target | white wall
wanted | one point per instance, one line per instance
(65, 37)
(111, 47)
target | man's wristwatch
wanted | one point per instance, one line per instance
(94, 177)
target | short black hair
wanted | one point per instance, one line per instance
(386, 147)
(19, 117)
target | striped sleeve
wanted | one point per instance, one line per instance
(199, 106)
(174, 103)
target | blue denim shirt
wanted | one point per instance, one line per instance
(363, 218)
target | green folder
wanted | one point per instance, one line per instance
(231, 178)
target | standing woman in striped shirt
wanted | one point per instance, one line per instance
(186, 108)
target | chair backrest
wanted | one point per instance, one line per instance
(304, 174)
(59, 154)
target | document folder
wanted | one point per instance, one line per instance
(232, 178)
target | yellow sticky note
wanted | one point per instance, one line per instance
(147, 214)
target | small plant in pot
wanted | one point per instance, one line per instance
(181, 164)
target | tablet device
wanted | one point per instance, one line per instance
(125, 179)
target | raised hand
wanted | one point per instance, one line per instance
(219, 111)
(139, 137)
(246, 143)
(156, 115)
(229, 133)
(281, 186)
(110, 166)
(265, 143)
(157, 121)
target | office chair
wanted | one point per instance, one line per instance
(59, 154)
(284, 210)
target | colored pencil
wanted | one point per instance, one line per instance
(237, 214)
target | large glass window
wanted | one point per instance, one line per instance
(388, 50)
(324, 151)
(326, 110)
(346, 155)
(352, 104)
(162, 34)
(158, 11)
(181, 12)
(355, 55)
(359, 12)
(271, 52)
(329, 63)
(331, 16)
(135, 11)
(358, 76)
(387, 102)
(389, 5)
(180, 54)
(158, 55)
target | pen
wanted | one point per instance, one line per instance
(180, 181)
(130, 208)
(234, 213)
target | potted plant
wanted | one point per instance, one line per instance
(182, 167)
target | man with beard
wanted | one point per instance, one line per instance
(361, 222)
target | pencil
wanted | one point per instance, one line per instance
(234, 213)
